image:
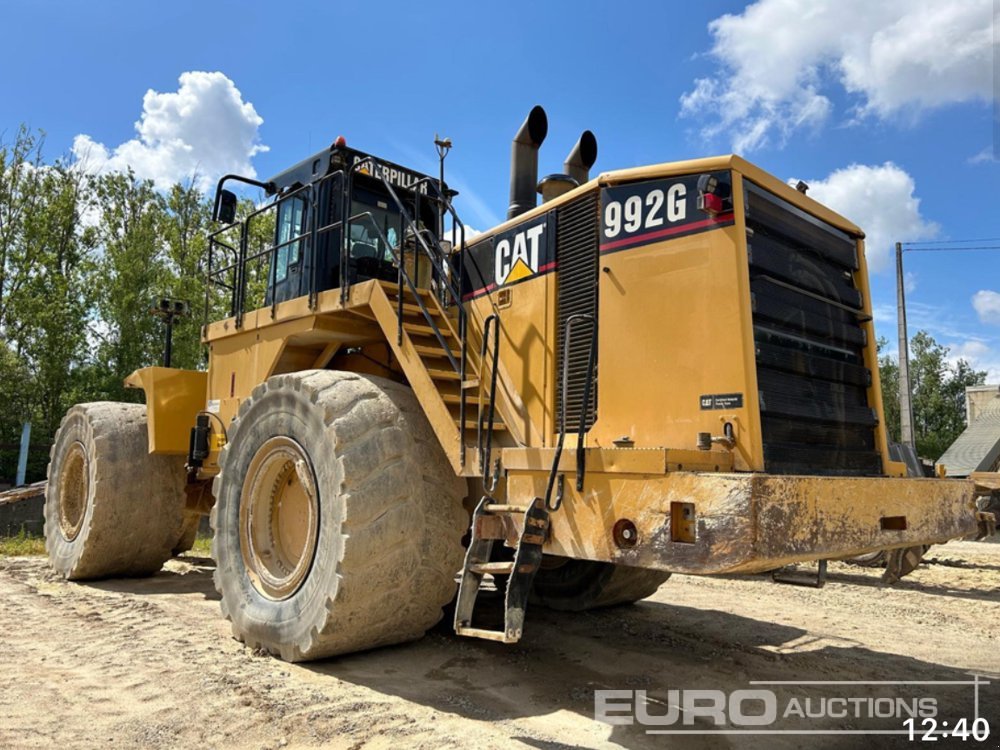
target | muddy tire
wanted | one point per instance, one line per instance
(578, 585)
(869, 560)
(189, 533)
(338, 518)
(111, 509)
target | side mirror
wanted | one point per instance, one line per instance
(225, 210)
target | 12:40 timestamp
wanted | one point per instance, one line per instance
(930, 730)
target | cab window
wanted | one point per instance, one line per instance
(291, 221)
(366, 242)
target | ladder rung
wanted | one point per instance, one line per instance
(415, 310)
(443, 374)
(470, 385)
(497, 508)
(489, 635)
(422, 330)
(471, 424)
(493, 568)
(426, 296)
(430, 351)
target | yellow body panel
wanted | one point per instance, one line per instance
(173, 400)
(747, 523)
(675, 322)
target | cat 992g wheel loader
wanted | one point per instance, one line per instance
(663, 369)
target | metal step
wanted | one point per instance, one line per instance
(497, 508)
(520, 572)
(443, 374)
(471, 424)
(392, 291)
(424, 330)
(430, 351)
(494, 568)
(411, 309)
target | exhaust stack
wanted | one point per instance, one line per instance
(581, 158)
(524, 162)
(576, 169)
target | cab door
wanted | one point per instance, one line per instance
(286, 275)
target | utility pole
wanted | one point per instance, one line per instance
(905, 403)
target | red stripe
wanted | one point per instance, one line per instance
(712, 220)
(704, 223)
(490, 287)
(487, 288)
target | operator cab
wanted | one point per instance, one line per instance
(331, 220)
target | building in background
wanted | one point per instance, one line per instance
(978, 448)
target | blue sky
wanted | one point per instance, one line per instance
(828, 91)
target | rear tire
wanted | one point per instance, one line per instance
(189, 533)
(338, 519)
(578, 585)
(111, 508)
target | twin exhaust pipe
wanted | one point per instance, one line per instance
(524, 184)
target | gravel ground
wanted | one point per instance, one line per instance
(149, 663)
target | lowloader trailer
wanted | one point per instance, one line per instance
(663, 369)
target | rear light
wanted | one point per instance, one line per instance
(710, 203)
(714, 195)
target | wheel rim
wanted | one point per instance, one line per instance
(74, 486)
(279, 518)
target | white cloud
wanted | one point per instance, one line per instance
(202, 130)
(452, 235)
(980, 355)
(987, 305)
(878, 198)
(779, 60)
(989, 155)
(910, 282)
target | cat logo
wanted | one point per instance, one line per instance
(517, 255)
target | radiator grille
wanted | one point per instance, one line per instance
(577, 236)
(807, 319)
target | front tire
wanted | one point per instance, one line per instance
(111, 508)
(338, 519)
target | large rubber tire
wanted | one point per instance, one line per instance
(389, 513)
(111, 508)
(578, 585)
(189, 533)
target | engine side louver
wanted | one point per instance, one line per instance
(577, 236)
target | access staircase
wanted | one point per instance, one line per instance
(428, 331)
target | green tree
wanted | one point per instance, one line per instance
(52, 316)
(45, 270)
(185, 231)
(131, 272)
(888, 369)
(938, 394)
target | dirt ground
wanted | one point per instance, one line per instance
(150, 663)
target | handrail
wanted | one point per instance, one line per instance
(580, 452)
(398, 258)
(485, 443)
(444, 275)
(242, 257)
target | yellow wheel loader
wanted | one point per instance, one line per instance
(663, 369)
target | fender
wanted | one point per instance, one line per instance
(173, 399)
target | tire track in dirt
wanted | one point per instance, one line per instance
(150, 662)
